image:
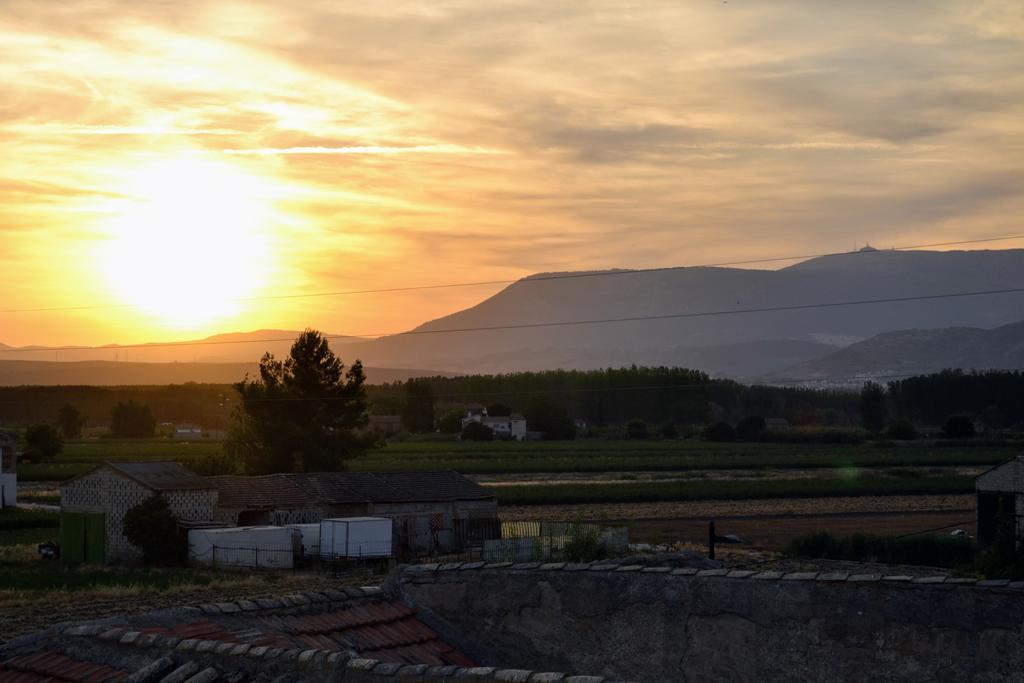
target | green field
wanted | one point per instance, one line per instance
(567, 456)
(875, 468)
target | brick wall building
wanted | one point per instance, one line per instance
(93, 506)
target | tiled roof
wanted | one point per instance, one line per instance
(52, 666)
(445, 485)
(162, 475)
(274, 491)
(386, 631)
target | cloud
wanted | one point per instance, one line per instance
(463, 140)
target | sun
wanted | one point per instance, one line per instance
(189, 242)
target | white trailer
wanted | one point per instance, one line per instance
(309, 538)
(256, 547)
(355, 537)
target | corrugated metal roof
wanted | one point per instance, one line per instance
(160, 475)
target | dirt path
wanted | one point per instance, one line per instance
(738, 508)
(770, 474)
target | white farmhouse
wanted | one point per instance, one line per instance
(8, 472)
(504, 426)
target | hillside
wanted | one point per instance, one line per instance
(856, 276)
(709, 337)
(234, 347)
(110, 373)
(918, 352)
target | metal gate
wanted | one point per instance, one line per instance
(83, 538)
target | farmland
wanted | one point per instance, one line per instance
(570, 456)
(593, 471)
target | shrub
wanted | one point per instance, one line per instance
(475, 431)
(152, 527)
(928, 550)
(585, 546)
(958, 427)
(214, 465)
(720, 431)
(637, 429)
(131, 420)
(669, 431)
(901, 430)
(750, 428)
(451, 422)
(42, 442)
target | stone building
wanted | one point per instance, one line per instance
(431, 511)
(1000, 493)
(93, 506)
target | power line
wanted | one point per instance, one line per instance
(541, 278)
(554, 323)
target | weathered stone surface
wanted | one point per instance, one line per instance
(152, 671)
(740, 626)
(207, 675)
(182, 673)
(411, 673)
(512, 676)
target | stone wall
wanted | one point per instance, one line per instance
(660, 624)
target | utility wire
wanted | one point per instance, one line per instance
(540, 278)
(553, 323)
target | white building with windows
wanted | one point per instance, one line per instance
(8, 472)
(504, 426)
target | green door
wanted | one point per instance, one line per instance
(83, 537)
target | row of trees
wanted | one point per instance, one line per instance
(44, 441)
(953, 399)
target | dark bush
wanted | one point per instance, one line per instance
(958, 427)
(720, 431)
(637, 429)
(669, 431)
(475, 431)
(929, 550)
(214, 465)
(901, 430)
(153, 528)
(42, 442)
(751, 428)
(451, 422)
(132, 420)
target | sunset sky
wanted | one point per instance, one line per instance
(173, 162)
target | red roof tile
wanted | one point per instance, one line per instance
(51, 666)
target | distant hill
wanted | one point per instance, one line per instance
(110, 373)
(918, 352)
(622, 294)
(738, 345)
(235, 347)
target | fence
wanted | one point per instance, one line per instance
(488, 540)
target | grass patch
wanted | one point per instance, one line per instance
(33, 537)
(584, 455)
(52, 575)
(929, 550)
(560, 494)
(11, 520)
